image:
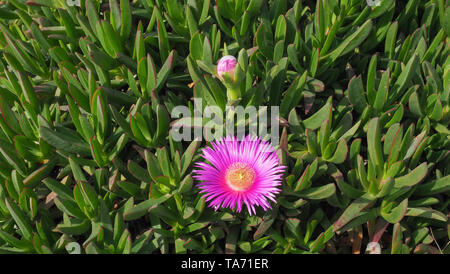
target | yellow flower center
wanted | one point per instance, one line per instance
(240, 176)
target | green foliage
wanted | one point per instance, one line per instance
(86, 95)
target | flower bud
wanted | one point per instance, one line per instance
(226, 64)
(231, 75)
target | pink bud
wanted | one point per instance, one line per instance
(226, 64)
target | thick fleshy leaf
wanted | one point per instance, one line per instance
(351, 42)
(374, 143)
(413, 177)
(22, 221)
(356, 94)
(317, 118)
(141, 209)
(353, 210)
(318, 193)
(395, 214)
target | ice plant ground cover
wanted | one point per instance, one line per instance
(359, 89)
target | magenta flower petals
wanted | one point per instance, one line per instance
(239, 173)
(226, 64)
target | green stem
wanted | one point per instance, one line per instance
(233, 95)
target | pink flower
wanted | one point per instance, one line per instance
(226, 64)
(239, 172)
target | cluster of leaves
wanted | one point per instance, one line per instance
(86, 94)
